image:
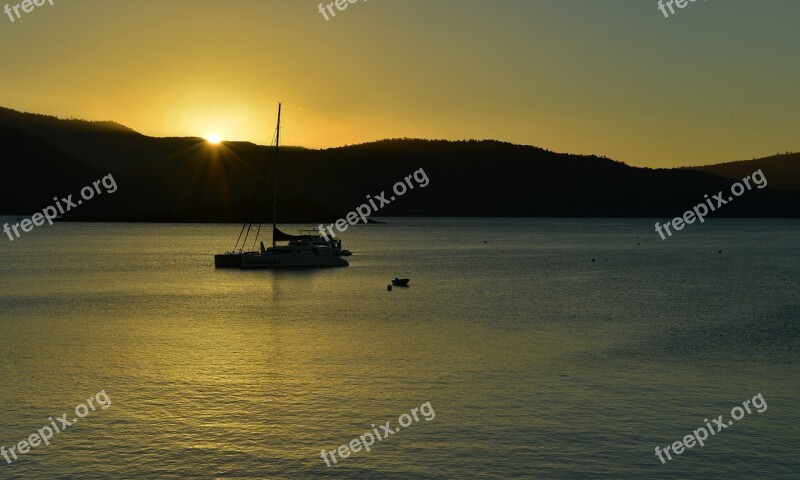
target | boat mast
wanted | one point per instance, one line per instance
(275, 181)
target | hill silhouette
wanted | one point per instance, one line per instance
(783, 170)
(190, 180)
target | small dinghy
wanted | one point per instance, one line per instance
(400, 282)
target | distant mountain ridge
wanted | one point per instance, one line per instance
(187, 179)
(782, 170)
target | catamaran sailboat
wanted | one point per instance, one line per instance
(301, 250)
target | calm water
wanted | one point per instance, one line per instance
(538, 362)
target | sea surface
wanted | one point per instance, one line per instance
(547, 348)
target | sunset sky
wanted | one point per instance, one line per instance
(717, 81)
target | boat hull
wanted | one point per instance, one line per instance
(292, 261)
(228, 260)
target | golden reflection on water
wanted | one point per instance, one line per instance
(227, 373)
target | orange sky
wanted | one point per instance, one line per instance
(715, 82)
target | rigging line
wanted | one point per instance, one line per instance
(264, 176)
(253, 206)
(259, 189)
(254, 201)
(275, 139)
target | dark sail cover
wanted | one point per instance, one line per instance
(279, 236)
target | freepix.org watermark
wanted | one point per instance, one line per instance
(363, 211)
(700, 211)
(26, 6)
(45, 434)
(663, 6)
(341, 5)
(49, 213)
(366, 440)
(699, 436)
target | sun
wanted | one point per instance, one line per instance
(214, 138)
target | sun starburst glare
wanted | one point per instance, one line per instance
(214, 139)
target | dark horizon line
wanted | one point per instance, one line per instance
(371, 142)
